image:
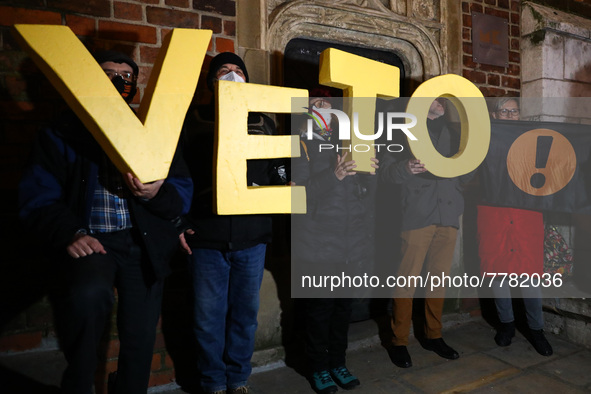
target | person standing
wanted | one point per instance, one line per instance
(335, 235)
(511, 241)
(104, 229)
(431, 209)
(227, 252)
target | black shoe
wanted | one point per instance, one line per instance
(441, 348)
(505, 332)
(399, 356)
(540, 343)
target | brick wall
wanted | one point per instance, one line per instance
(493, 80)
(28, 101)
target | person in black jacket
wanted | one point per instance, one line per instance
(103, 229)
(227, 252)
(335, 235)
(431, 209)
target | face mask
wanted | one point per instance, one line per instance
(327, 117)
(231, 76)
(125, 88)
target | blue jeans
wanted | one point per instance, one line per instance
(226, 293)
(532, 299)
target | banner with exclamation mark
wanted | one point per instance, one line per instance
(541, 162)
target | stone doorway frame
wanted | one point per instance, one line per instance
(423, 45)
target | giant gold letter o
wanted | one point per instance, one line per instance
(475, 136)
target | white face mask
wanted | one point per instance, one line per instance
(231, 76)
(327, 117)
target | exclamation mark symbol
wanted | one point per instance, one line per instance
(544, 143)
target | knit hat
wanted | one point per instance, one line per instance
(221, 59)
(116, 57)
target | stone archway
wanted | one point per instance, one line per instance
(370, 25)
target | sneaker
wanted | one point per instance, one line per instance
(439, 346)
(344, 378)
(322, 383)
(399, 356)
(239, 390)
(540, 343)
(505, 332)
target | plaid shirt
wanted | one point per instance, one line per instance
(109, 210)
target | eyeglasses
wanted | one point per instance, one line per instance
(127, 76)
(508, 113)
(322, 104)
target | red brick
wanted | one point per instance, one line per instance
(476, 77)
(20, 342)
(467, 304)
(168, 363)
(514, 44)
(230, 28)
(491, 68)
(515, 18)
(467, 20)
(212, 23)
(513, 69)
(10, 16)
(178, 3)
(81, 25)
(127, 32)
(164, 32)
(476, 8)
(466, 34)
(224, 45)
(510, 82)
(492, 92)
(210, 46)
(161, 378)
(491, 2)
(144, 75)
(467, 47)
(497, 13)
(465, 7)
(113, 347)
(128, 11)
(493, 79)
(156, 362)
(224, 7)
(468, 62)
(148, 54)
(514, 57)
(168, 17)
(504, 4)
(159, 343)
(88, 7)
(514, 31)
(515, 5)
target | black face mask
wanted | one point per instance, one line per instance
(125, 88)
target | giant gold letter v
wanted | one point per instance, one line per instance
(144, 144)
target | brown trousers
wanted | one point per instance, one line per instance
(431, 247)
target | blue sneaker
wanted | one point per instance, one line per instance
(322, 383)
(344, 378)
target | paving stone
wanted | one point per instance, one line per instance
(573, 368)
(455, 375)
(530, 383)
